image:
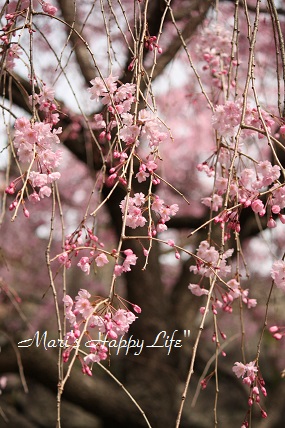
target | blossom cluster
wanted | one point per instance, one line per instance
(135, 208)
(107, 323)
(83, 239)
(244, 187)
(243, 180)
(209, 263)
(119, 100)
(34, 142)
(251, 377)
(9, 49)
(214, 46)
(227, 118)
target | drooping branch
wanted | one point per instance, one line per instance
(82, 55)
(190, 27)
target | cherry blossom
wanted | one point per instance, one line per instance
(101, 260)
(84, 264)
(278, 274)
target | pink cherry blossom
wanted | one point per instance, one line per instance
(84, 264)
(101, 260)
(278, 274)
(239, 369)
(197, 290)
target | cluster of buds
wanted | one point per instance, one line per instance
(277, 332)
(150, 44)
(252, 377)
(10, 18)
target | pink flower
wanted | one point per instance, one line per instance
(83, 306)
(118, 270)
(197, 290)
(251, 369)
(257, 206)
(139, 199)
(34, 197)
(63, 258)
(130, 260)
(98, 88)
(68, 302)
(45, 191)
(239, 369)
(84, 294)
(278, 274)
(84, 265)
(214, 203)
(251, 303)
(142, 176)
(129, 134)
(101, 260)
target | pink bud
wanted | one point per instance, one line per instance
(112, 334)
(65, 356)
(137, 309)
(271, 223)
(177, 255)
(250, 402)
(263, 414)
(77, 333)
(122, 181)
(275, 209)
(26, 213)
(273, 329)
(247, 381)
(230, 298)
(102, 135)
(277, 336)
(262, 213)
(88, 371)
